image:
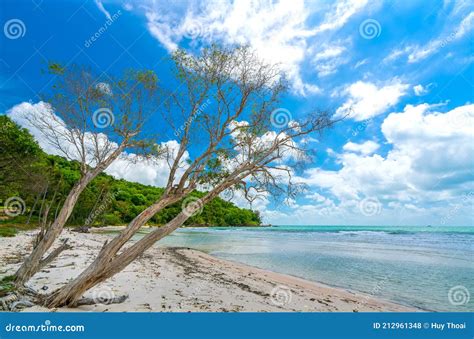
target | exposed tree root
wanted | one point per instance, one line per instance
(18, 299)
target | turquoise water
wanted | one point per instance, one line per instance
(415, 266)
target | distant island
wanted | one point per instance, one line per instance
(106, 201)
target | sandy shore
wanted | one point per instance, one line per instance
(185, 280)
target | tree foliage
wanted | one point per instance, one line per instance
(110, 201)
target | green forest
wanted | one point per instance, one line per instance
(41, 180)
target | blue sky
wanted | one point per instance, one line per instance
(402, 69)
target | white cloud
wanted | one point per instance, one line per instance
(128, 6)
(365, 148)
(101, 7)
(395, 54)
(20, 113)
(465, 26)
(455, 29)
(329, 58)
(360, 63)
(258, 202)
(420, 90)
(278, 38)
(342, 12)
(128, 166)
(151, 172)
(316, 197)
(418, 53)
(279, 31)
(366, 100)
(57, 139)
(330, 52)
(429, 165)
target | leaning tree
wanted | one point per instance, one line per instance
(225, 115)
(91, 119)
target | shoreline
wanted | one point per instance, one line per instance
(174, 279)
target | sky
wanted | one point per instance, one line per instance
(402, 72)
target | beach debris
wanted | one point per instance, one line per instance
(17, 305)
(16, 301)
(7, 300)
(92, 301)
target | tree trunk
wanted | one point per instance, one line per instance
(31, 265)
(107, 263)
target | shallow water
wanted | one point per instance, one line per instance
(415, 266)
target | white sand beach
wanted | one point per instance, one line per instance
(186, 280)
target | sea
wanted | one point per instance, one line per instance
(430, 268)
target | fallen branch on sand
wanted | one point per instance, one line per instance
(92, 301)
(54, 254)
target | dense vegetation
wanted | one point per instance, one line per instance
(40, 179)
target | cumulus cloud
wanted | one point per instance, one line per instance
(429, 166)
(279, 38)
(55, 137)
(148, 172)
(21, 114)
(279, 31)
(128, 166)
(366, 100)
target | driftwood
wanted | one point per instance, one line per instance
(92, 301)
(81, 229)
(64, 246)
(21, 298)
